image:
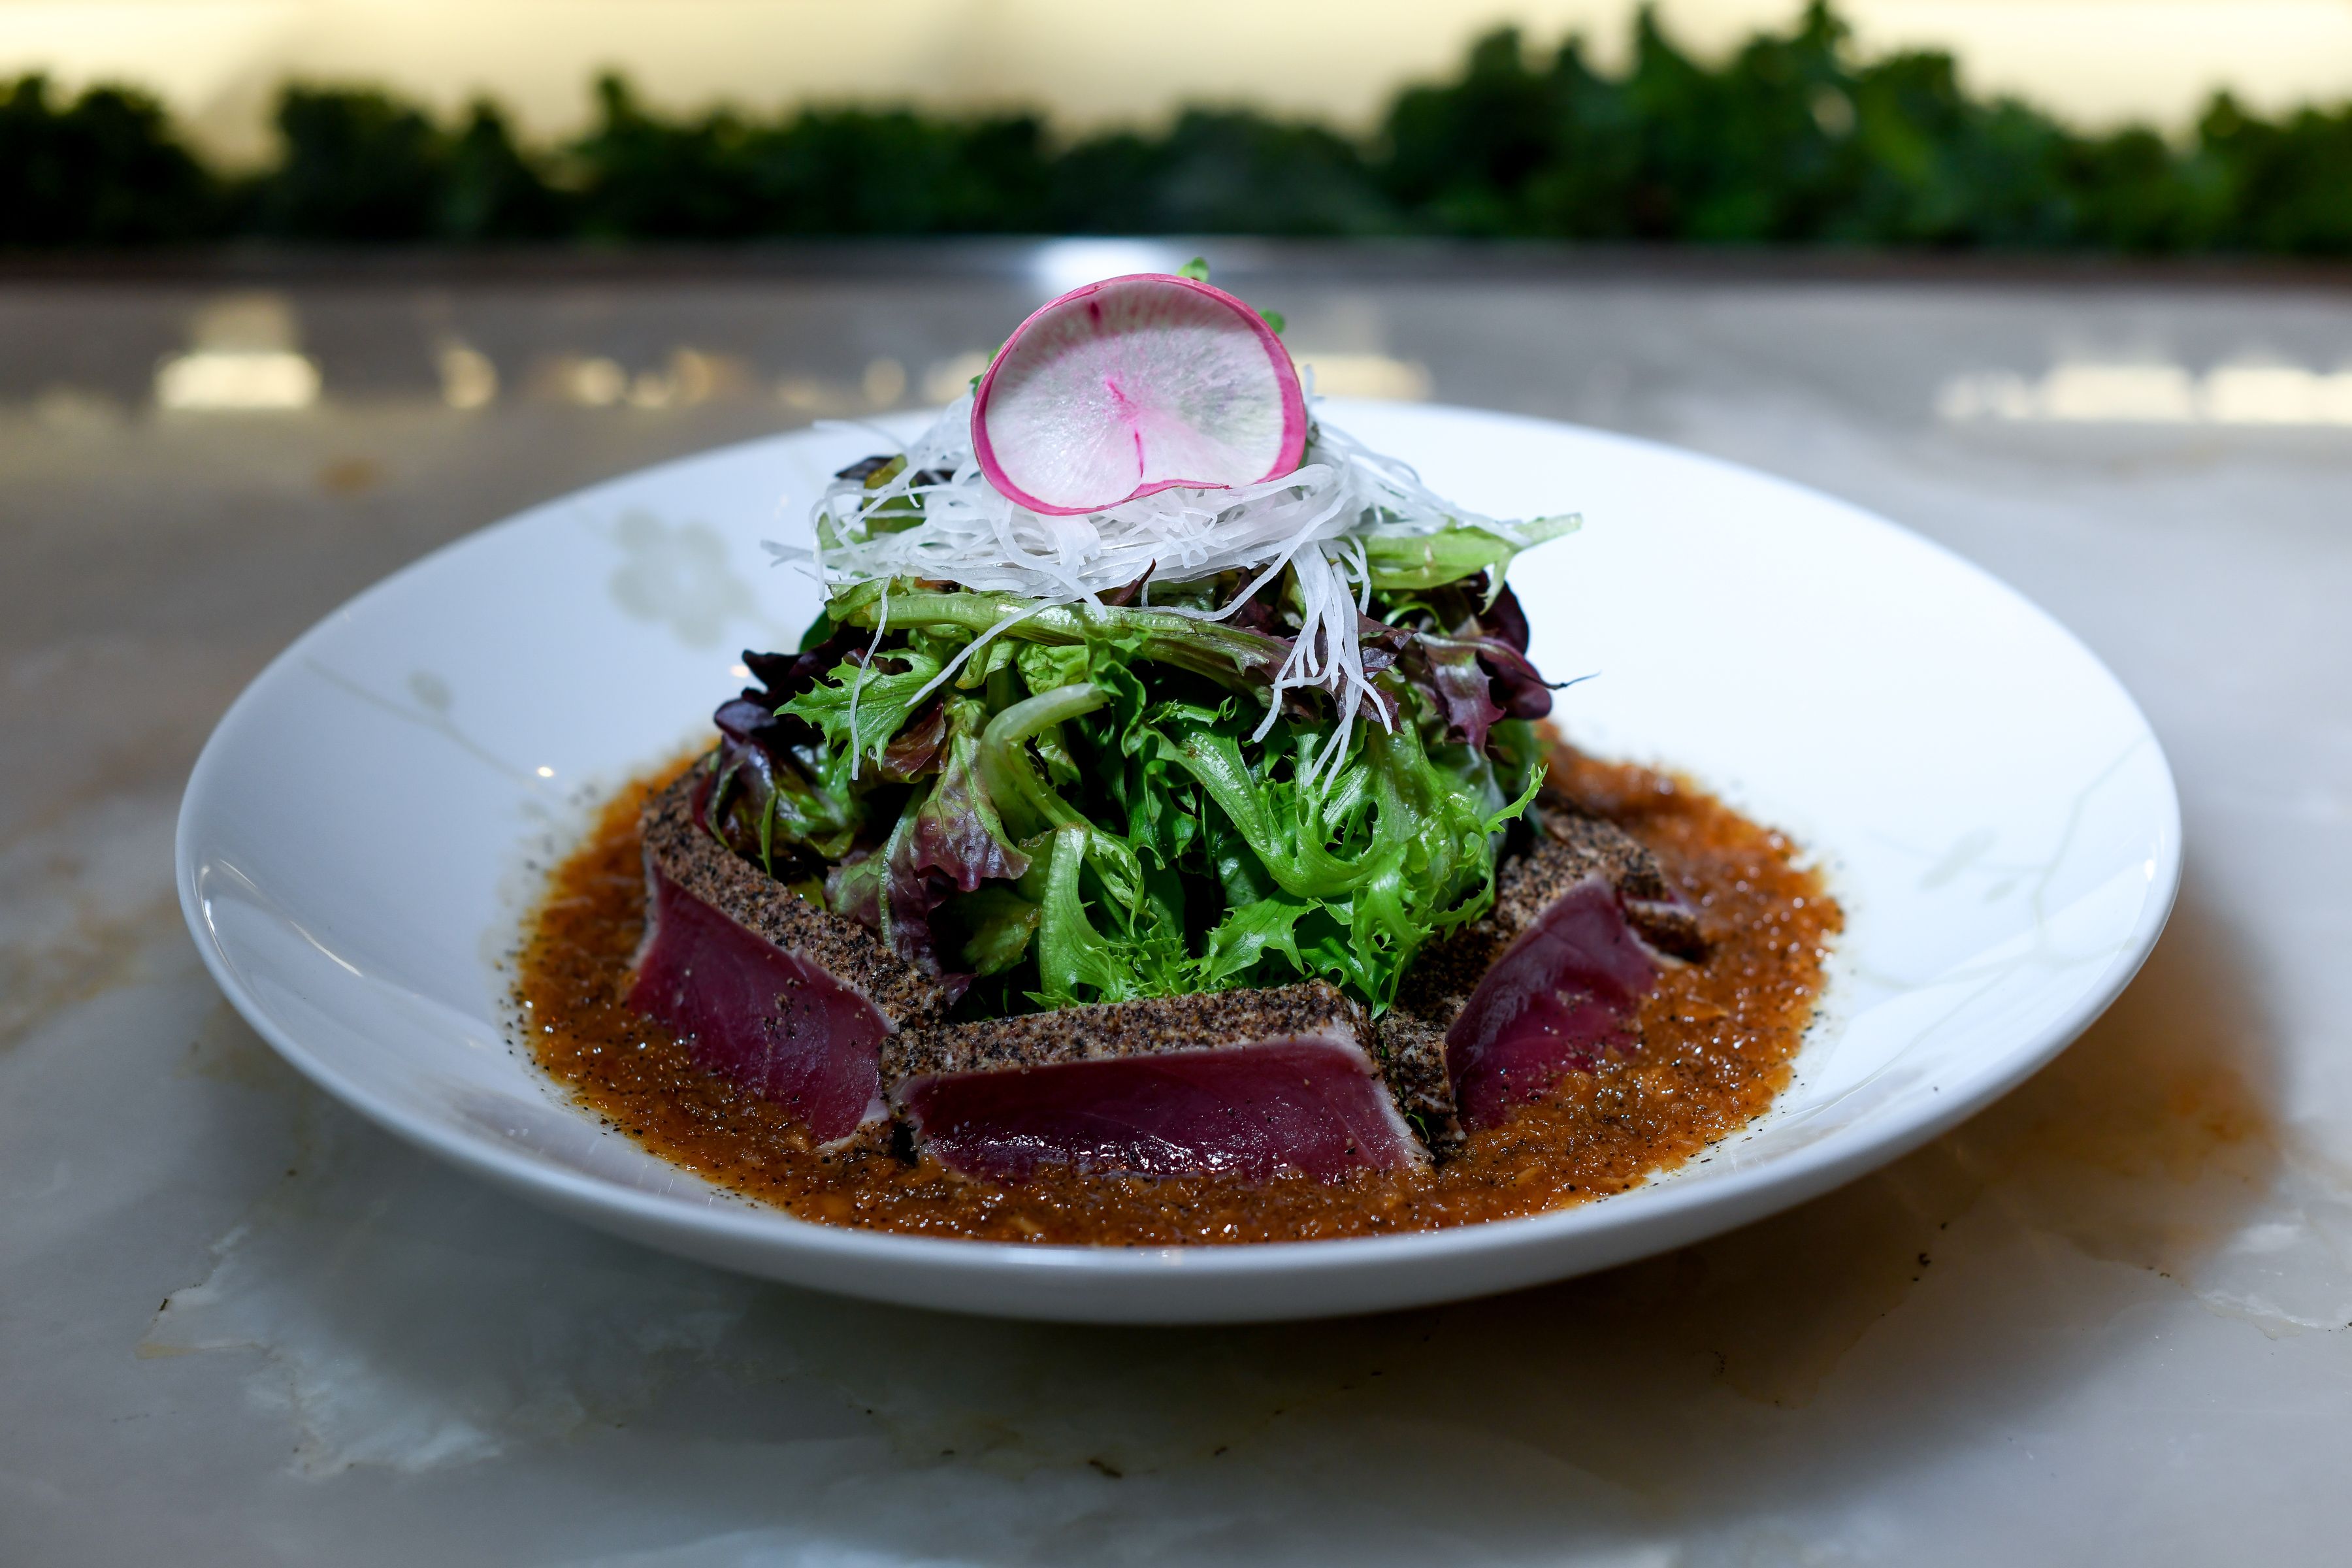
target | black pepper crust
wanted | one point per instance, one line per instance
(1411, 1055)
(1106, 1031)
(1576, 845)
(703, 866)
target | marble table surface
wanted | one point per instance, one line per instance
(2104, 1321)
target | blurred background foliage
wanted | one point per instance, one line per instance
(1789, 141)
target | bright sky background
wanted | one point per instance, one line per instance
(1093, 61)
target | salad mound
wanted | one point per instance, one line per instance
(1095, 806)
(1209, 737)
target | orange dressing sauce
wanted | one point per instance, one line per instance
(1716, 1041)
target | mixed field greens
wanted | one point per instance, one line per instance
(1117, 797)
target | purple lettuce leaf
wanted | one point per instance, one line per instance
(957, 830)
(1505, 620)
(914, 750)
(1457, 680)
(1502, 638)
(885, 891)
(760, 799)
(949, 839)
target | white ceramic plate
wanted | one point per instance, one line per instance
(360, 835)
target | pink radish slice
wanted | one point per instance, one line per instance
(1136, 384)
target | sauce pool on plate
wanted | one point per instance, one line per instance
(1717, 1038)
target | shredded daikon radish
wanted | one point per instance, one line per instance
(959, 527)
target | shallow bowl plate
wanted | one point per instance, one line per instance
(363, 831)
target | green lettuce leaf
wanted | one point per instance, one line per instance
(1405, 561)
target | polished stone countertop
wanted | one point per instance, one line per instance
(2104, 1321)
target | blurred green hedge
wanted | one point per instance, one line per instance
(1790, 140)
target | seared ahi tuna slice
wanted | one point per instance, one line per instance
(772, 991)
(1562, 995)
(1236, 1083)
(1550, 981)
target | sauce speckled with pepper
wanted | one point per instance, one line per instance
(1717, 1040)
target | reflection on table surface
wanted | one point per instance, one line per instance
(2101, 1321)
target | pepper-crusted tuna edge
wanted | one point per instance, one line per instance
(1572, 848)
(690, 855)
(1412, 1058)
(1575, 845)
(1112, 1031)
(1197, 1024)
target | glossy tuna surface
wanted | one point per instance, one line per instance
(770, 1019)
(1562, 994)
(1247, 1110)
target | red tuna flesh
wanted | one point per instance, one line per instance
(1244, 1110)
(1563, 994)
(773, 992)
(769, 1019)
